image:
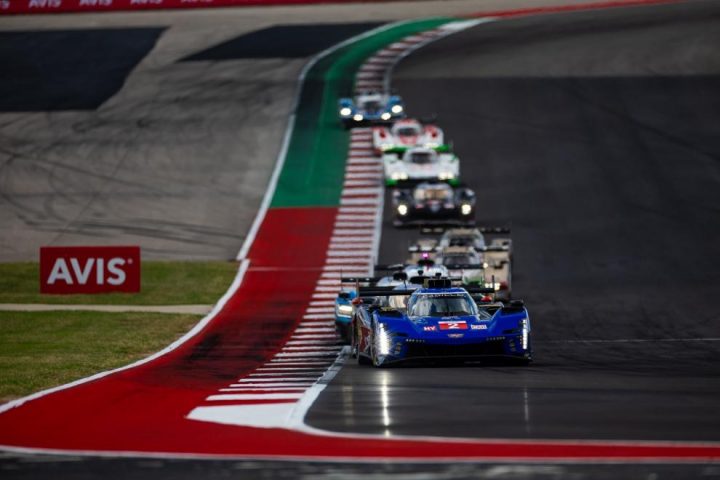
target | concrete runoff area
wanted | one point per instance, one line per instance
(603, 157)
(178, 159)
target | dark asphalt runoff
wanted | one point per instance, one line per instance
(595, 135)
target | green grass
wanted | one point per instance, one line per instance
(163, 283)
(39, 350)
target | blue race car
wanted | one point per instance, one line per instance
(370, 108)
(403, 275)
(438, 321)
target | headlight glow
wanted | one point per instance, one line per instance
(345, 112)
(358, 117)
(446, 175)
(465, 209)
(402, 209)
(344, 309)
(397, 108)
(385, 116)
(383, 342)
(525, 333)
(399, 176)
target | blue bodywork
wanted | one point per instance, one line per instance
(354, 112)
(343, 313)
(385, 336)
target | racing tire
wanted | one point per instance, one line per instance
(353, 341)
(355, 349)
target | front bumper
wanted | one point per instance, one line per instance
(407, 350)
(449, 217)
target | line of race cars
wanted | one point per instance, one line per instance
(451, 297)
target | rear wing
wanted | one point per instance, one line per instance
(394, 291)
(483, 230)
(399, 150)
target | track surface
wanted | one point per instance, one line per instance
(560, 369)
(593, 134)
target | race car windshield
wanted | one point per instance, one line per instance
(443, 306)
(422, 158)
(462, 241)
(460, 259)
(372, 105)
(407, 132)
(440, 194)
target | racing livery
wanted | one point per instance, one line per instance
(418, 164)
(438, 321)
(434, 203)
(407, 133)
(370, 108)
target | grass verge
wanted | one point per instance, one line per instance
(163, 283)
(39, 350)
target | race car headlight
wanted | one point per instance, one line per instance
(385, 116)
(402, 209)
(525, 332)
(397, 108)
(345, 112)
(383, 341)
(431, 145)
(358, 117)
(399, 176)
(344, 309)
(466, 209)
(446, 176)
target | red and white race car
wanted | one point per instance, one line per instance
(407, 133)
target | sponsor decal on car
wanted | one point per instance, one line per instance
(453, 325)
(479, 327)
(456, 335)
(430, 328)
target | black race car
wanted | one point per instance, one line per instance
(434, 203)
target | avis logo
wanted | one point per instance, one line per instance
(95, 3)
(114, 276)
(4, 4)
(67, 270)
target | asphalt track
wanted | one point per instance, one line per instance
(566, 368)
(594, 135)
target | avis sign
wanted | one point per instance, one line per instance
(66, 270)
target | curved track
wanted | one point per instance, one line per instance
(592, 133)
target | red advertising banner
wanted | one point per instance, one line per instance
(59, 6)
(68, 270)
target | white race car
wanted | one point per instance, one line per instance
(420, 164)
(405, 134)
(486, 269)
